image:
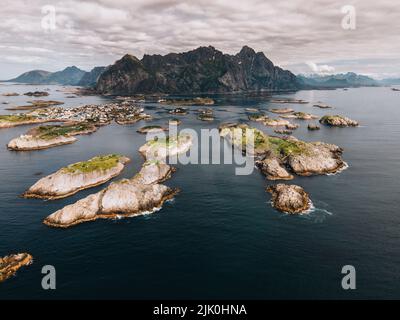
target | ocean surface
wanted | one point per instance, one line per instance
(219, 238)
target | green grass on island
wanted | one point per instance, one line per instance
(16, 118)
(330, 118)
(264, 142)
(51, 132)
(100, 163)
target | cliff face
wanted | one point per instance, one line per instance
(204, 69)
(89, 79)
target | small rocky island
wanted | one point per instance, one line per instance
(44, 137)
(302, 158)
(13, 120)
(78, 176)
(10, 264)
(161, 148)
(36, 104)
(289, 198)
(151, 129)
(338, 121)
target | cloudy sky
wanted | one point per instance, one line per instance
(304, 36)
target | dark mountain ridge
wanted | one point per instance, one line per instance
(203, 70)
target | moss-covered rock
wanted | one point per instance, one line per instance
(338, 121)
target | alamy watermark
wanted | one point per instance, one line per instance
(237, 147)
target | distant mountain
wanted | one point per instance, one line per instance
(89, 79)
(68, 76)
(204, 69)
(34, 76)
(342, 80)
(390, 81)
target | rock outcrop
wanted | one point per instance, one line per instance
(289, 198)
(161, 148)
(203, 70)
(302, 158)
(44, 137)
(10, 264)
(126, 198)
(151, 129)
(281, 111)
(13, 120)
(276, 122)
(78, 176)
(338, 121)
(315, 158)
(273, 169)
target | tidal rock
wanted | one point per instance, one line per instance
(258, 117)
(338, 121)
(251, 110)
(10, 94)
(44, 137)
(78, 176)
(283, 131)
(10, 264)
(276, 122)
(37, 94)
(179, 111)
(281, 111)
(273, 169)
(313, 127)
(291, 126)
(322, 106)
(151, 129)
(289, 198)
(305, 116)
(128, 197)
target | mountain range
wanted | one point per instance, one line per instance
(341, 80)
(202, 70)
(68, 76)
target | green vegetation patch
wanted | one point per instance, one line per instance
(51, 132)
(100, 163)
(287, 147)
(16, 118)
(331, 118)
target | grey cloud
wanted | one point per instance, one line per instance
(291, 33)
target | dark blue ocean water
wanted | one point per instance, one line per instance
(220, 237)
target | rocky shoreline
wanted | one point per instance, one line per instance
(338, 121)
(44, 137)
(290, 199)
(78, 176)
(10, 264)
